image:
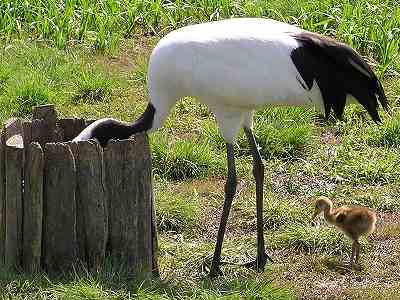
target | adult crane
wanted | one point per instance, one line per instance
(235, 67)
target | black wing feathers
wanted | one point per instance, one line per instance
(338, 71)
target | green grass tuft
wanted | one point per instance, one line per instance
(310, 239)
(381, 203)
(175, 212)
(280, 132)
(363, 165)
(92, 87)
(279, 213)
(27, 95)
(387, 134)
(282, 141)
(283, 132)
(183, 159)
(246, 289)
(139, 75)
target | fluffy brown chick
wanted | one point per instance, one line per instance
(354, 221)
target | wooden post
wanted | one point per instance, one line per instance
(45, 112)
(92, 201)
(79, 125)
(59, 226)
(128, 177)
(68, 128)
(154, 246)
(39, 132)
(12, 127)
(73, 200)
(27, 133)
(72, 127)
(49, 130)
(80, 221)
(33, 208)
(13, 205)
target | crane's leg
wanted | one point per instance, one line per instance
(258, 172)
(230, 190)
(357, 251)
(353, 252)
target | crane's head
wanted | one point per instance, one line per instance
(322, 204)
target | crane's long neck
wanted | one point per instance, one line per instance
(106, 129)
(329, 215)
(145, 121)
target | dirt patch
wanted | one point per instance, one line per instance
(389, 218)
(321, 276)
(330, 137)
(130, 50)
(301, 186)
(388, 226)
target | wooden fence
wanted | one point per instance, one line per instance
(65, 203)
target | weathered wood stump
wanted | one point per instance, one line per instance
(13, 187)
(33, 207)
(64, 204)
(60, 244)
(91, 202)
(130, 172)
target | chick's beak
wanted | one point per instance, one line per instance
(315, 215)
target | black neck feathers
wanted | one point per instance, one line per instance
(113, 129)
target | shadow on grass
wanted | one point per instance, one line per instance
(116, 283)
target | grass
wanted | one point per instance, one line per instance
(297, 237)
(370, 26)
(277, 213)
(92, 87)
(26, 95)
(282, 132)
(387, 135)
(90, 58)
(4, 76)
(373, 293)
(366, 166)
(183, 159)
(176, 213)
(84, 286)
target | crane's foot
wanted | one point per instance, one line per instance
(259, 263)
(212, 271)
(215, 272)
(355, 266)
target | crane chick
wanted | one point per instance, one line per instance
(353, 221)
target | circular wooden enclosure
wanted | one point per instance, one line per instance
(64, 203)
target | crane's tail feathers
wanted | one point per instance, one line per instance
(382, 98)
(339, 71)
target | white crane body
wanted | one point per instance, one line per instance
(233, 66)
